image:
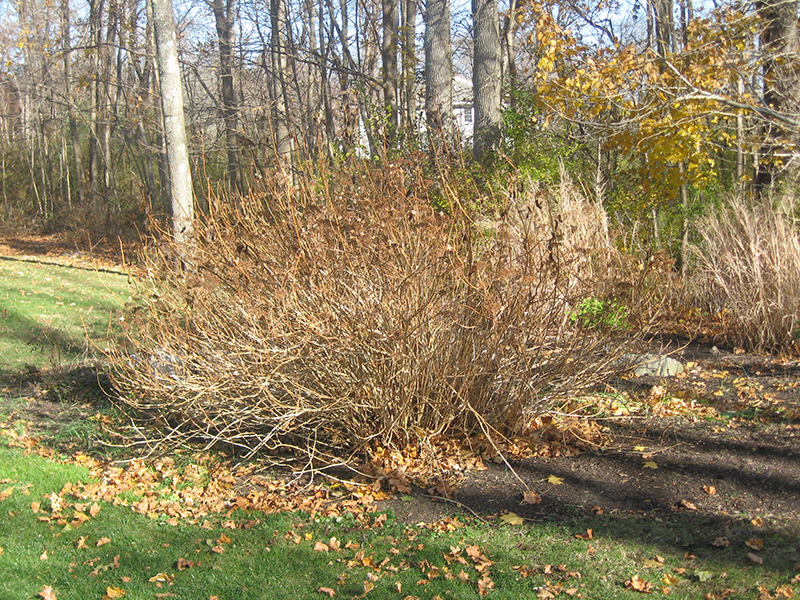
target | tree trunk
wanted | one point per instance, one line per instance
(779, 41)
(486, 78)
(74, 136)
(389, 46)
(409, 54)
(181, 193)
(280, 97)
(224, 19)
(439, 76)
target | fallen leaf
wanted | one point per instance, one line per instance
(328, 591)
(785, 591)
(47, 593)
(585, 536)
(511, 519)
(94, 509)
(721, 542)
(368, 587)
(650, 563)
(755, 558)
(638, 584)
(688, 505)
(531, 497)
(755, 544)
(35, 507)
(114, 592)
(709, 489)
(184, 564)
(485, 585)
(334, 544)
(598, 510)
(650, 465)
(669, 579)
(103, 541)
(555, 480)
(224, 539)
(217, 549)
(704, 575)
(321, 547)
(640, 448)
(6, 493)
(43, 555)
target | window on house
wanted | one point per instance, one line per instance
(468, 115)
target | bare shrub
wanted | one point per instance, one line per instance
(750, 269)
(328, 321)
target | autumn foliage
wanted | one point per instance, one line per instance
(334, 317)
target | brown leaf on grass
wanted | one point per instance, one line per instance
(598, 510)
(721, 542)
(184, 564)
(544, 594)
(161, 578)
(585, 536)
(94, 509)
(755, 558)
(321, 547)
(334, 544)
(757, 521)
(755, 544)
(328, 591)
(47, 593)
(43, 555)
(637, 584)
(224, 539)
(531, 497)
(688, 505)
(114, 592)
(35, 507)
(217, 549)
(709, 489)
(785, 591)
(368, 587)
(6, 493)
(103, 541)
(485, 585)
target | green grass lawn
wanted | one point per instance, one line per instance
(54, 316)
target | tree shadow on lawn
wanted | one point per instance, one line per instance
(737, 483)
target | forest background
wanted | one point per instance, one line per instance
(658, 109)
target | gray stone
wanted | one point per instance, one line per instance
(654, 365)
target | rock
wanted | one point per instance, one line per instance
(655, 365)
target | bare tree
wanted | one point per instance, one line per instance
(224, 18)
(182, 196)
(389, 47)
(780, 43)
(439, 75)
(486, 74)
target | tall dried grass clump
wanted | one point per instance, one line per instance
(750, 267)
(325, 321)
